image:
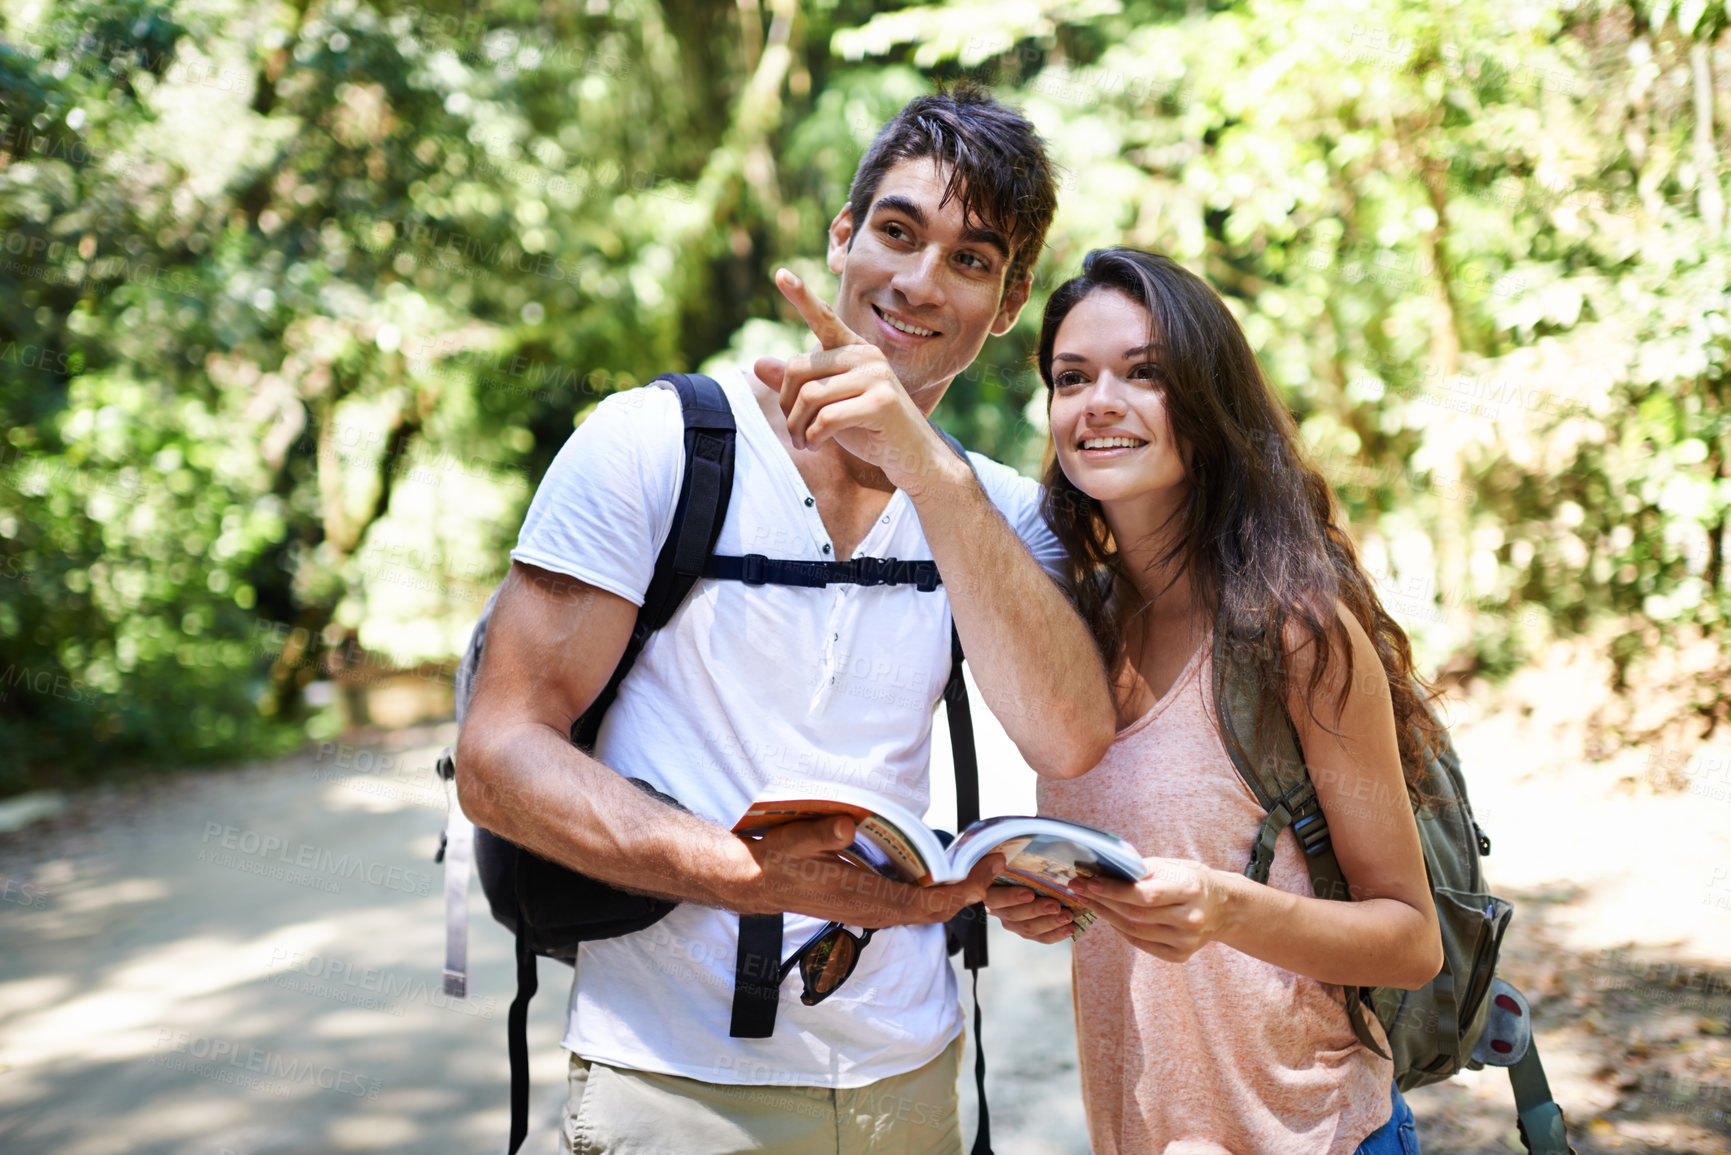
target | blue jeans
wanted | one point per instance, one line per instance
(1395, 1137)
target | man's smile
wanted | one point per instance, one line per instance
(903, 326)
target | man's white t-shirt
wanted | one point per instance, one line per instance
(745, 687)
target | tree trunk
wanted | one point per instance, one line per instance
(304, 657)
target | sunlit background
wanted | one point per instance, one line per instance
(298, 300)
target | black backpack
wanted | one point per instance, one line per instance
(551, 910)
(1466, 1016)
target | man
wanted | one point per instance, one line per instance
(752, 685)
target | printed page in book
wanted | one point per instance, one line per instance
(887, 838)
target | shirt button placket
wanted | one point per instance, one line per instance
(827, 665)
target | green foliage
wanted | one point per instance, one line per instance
(296, 303)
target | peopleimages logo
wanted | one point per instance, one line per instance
(49, 682)
(22, 894)
(35, 357)
(376, 988)
(225, 1061)
(256, 849)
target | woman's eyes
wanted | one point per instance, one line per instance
(1146, 371)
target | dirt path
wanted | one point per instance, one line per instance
(250, 962)
(169, 985)
(1622, 931)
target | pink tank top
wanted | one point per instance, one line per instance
(1223, 1054)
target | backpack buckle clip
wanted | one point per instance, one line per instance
(1309, 823)
(1311, 830)
(873, 571)
(751, 569)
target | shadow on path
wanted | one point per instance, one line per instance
(249, 963)
(1634, 1042)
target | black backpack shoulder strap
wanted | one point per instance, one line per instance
(962, 743)
(965, 756)
(703, 496)
(971, 923)
(969, 926)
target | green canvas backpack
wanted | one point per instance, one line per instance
(1466, 1016)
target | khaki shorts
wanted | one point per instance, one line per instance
(614, 1111)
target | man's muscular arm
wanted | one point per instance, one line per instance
(1033, 659)
(551, 645)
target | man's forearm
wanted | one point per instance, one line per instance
(1032, 657)
(597, 823)
(587, 817)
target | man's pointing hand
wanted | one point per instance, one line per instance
(819, 317)
(846, 391)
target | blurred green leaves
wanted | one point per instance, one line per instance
(297, 302)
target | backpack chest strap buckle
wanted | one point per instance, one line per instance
(871, 571)
(1299, 809)
(1303, 812)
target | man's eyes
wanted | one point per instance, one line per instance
(974, 261)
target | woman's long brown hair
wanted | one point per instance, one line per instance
(1258, 531)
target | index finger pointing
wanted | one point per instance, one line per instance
(819, 317)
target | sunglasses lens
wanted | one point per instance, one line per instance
(824, 967)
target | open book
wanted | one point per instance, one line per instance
(1043, 854)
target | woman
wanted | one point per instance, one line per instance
(1210, 1007)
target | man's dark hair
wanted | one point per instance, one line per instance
(997, 165)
